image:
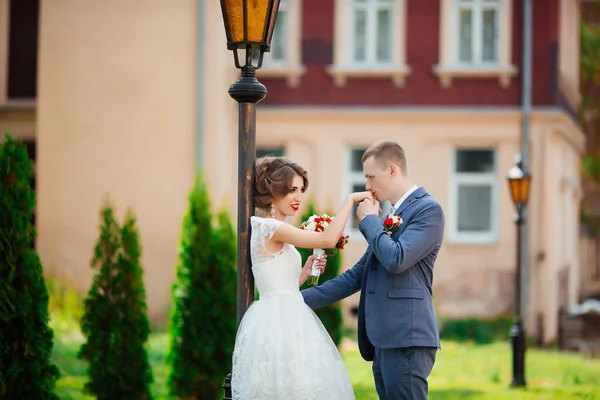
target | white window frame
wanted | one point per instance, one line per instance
(371, 7)
(352, 178)
(477, 8)
(356, 178)
(268, 62)
(449, 67)
(343, 66)
(290, 67)
(460, 178)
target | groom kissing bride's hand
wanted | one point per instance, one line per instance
(366, 208)
(397, 324)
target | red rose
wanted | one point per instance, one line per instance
(388, 222)
(328, 220)
(317, 220)
(319, 228)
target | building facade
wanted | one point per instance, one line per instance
(131, 99)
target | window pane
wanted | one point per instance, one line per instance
(384, 35)
(278, 43)
(356, 160)
(474, 208)
(269, 151)
(465, 46)
(355, 221)
(489, 35)
(255, 56)
(475, 161)
(360, 33)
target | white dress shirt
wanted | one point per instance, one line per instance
(402, 199)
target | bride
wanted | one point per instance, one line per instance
(282, 350)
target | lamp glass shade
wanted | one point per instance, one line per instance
(249, 23)
(519, 189)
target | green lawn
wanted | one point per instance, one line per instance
(462, 371)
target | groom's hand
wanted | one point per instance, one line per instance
(366, 207)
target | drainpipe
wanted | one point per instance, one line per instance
(525, 125)
(201, 35)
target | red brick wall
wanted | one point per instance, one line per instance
(422, 87)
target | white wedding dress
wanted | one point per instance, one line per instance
(282, 350)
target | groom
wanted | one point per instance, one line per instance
(397, 327)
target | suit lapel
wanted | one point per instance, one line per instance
(414, 196)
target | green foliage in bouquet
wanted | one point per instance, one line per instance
(203, 320)
(26, 371)
(115, 322)
(331, 316)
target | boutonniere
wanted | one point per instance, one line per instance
(391, 224)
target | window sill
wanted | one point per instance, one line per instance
(472, 240)
(341, 74)
(18, 105)
(291, 73)
(446, 73)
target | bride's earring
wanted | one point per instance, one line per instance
(272, 210)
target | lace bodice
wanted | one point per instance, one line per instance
(262, 230)
(274, 273)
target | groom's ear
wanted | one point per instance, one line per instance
(394, 170)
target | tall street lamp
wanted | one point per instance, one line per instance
(519, 181)
(249, 26)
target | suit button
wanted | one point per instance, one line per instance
(370, 292)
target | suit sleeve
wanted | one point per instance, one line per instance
(337, 288)
(419, 238)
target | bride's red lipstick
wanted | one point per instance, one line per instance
(295, 208)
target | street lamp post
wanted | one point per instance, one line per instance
(249, 28)
(519, 181)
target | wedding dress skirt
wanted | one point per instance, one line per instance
(282, 350)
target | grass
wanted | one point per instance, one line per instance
(462, 371)
(477, 372)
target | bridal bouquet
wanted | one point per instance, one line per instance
(318, 223)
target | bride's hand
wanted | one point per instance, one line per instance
(321, 262)
(358, 197)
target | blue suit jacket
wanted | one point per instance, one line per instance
(395, 276)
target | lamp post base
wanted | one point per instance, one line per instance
(517, 337)
(227, 387)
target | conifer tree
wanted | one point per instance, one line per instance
(115, 322)
(26, 370)
(202, 326)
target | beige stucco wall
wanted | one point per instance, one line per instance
(554, 238)
(470, 279)
(116, 115)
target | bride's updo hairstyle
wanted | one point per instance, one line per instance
(274, 177)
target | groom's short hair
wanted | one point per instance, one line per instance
(387, 152)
